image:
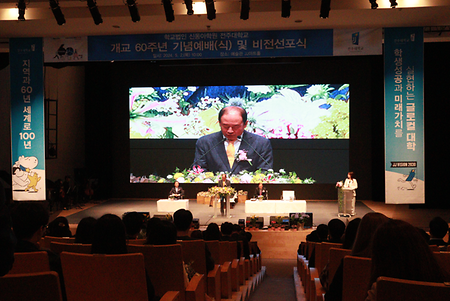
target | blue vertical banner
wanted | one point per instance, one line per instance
(27, 119)
(404, 116)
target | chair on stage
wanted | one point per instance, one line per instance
(164, 266)
(40, 286)
(59, 247)
(194, 251)
(356, 278)
(392, 289)
(104, 277)
(30, 262)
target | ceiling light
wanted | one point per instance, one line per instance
(168, 10)
(132, 8)
(245, 9)
(373, 4)
(189, 8)
(285, 8)
(325, 9)
(21, 6)
(210, 9)
(92, 5)
(57, 13)
(393, 3)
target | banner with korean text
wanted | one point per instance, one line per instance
(211, 45)
(404, 116)
(27, 119)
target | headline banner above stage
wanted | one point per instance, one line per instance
(27, 119)
(404, 116)
(211, 45)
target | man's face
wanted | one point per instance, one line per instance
(232, 124)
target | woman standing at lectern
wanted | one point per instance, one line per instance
(351, 183)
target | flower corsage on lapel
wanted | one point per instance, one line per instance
(241, 155)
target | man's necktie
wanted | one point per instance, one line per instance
(230, 153)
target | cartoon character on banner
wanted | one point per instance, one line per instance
(409, 178)
(24, 177)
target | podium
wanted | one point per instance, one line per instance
(217, 204)
(345, 202)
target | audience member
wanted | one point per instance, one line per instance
(438, 229)
(85, 230)
(249, 236)
(196, 234)
(239, 235)
(336, 229)
(350, 233)
(59, 227)
(399, 251)
(133, 224)
(226, 229)
(7, 239)
(212, 232)
(182, 219)
(163, 233)
(151, 228)
(318, 235)
(29, 220)
(361, 247)
(109, 236)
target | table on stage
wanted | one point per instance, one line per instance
(275, 206)
(166, 205)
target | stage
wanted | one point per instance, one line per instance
(323, 211)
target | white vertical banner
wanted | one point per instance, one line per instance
(404, 116)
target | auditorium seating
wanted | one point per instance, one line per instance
(40, 286)
(443, 259)
(104, 277)
(164, 266)
(59, 247)
(392, 289)
(336, 255)
(225, 268)
(46, 240)
(194, 252)
(228, 254)
(30, 262)
(356, 278)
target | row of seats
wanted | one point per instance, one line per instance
(231, 278)
(356, 272)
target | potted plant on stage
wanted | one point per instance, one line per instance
(251, 224)
(297, 220)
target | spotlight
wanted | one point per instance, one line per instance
(56, 10)
(245, 9)
(210, 9)
(134, 13)
(21, 7)
(92, 5)
(325, 9)
(190, 10)
(393, 3)
(373, 4)
(285, 8)
(168, 9)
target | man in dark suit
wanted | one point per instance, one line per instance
(233, 149)
(223, 182)
(261, 191)
(176, 192)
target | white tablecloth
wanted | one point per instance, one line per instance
(275, 206)
(172, 205)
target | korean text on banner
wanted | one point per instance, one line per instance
(27, 119)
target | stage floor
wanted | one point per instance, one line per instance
(323, 211)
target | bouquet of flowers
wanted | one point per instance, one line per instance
(222, 191)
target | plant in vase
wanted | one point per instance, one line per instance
(297, 220)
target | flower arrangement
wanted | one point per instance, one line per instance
(198, 175)
(297, 219)
(252, 221)
(222, 191)
(339, 184)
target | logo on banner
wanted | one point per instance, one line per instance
(406, 180)
(355, 38)
(67, 54)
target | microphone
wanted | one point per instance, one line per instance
(259, 155)
(209, 150)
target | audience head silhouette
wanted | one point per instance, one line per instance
(336, 229)
(29, 221)
(350, 233)
(109, 236)
(85, 230)
(438, 227)
(182, 219)
(59, 227)
(400, 251)
(212, 232)
(163, 232)
(133, 223)
(367, 227)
